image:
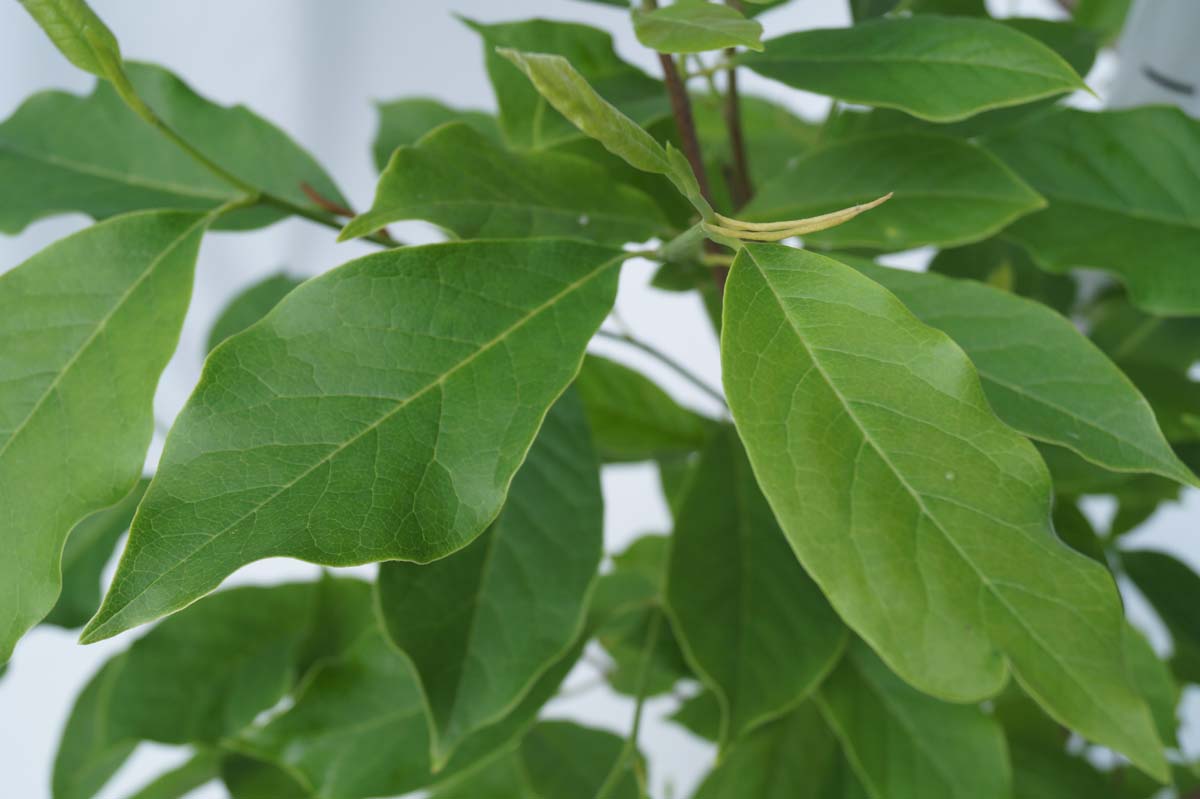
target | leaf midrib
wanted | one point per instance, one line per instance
(572, 287)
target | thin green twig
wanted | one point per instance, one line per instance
(630, 748)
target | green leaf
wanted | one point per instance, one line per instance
(924, 519)
(81, 35)
(1131, 336)
(563, 760)
(456, 178)
(1171, 587)
(89, 549)
(225, 659)
(403, 122)
(525, 116)
(701, 715)
(248, 307)
(632, 418)
(501, 778)
(201, 769)
(94, 155)
(869, 9)
(946, 750)
(796, 755)
(481, 625)
(1041, 375)
(1106, 17)
(566, 90)
(741, 603)
(779, 138)
(249, 778)
(1074, 528)
(87, 326)
(1155, 682)
(947, 192)
(1005, 266)
(938, 68)
(694, 26)
(393, 436)
(1123, 198)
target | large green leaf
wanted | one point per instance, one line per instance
(753, 624)
(1171, 587)
(501, 778)
(202, 675)
(403, 122)
(481, 625)
(89, 549)
(632, 418)
(947, 191)
(796, 755)
(457, 179)
(937, 68)
(563, 760)
(94, 155)
(694, 26)
(906, 744)
(378, 413)
(248, 307)
(526, 118)
(1123, 197)
(1005, 266)
(924, 519)
(1131, 336)
(1106, 17)
(76, 31)
(87, 326)
(1041, 375)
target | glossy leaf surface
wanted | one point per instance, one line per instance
(87, 326)
(924, 519)
(379, 412)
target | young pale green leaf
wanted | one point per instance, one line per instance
(529, 119)
(89, 549)
(457, 179)
(1171, 587)
(87, 326)
(924, 519)
(403, 122)
(201, 676)
(1041, 375)
(632, 418)
(1005, 266)
(248, 307)
(93, 155)
(694, 26)
(904, 743)
(358, 729)
(946, 192)
(569, 92)
(1123, 198)
(378, 413)
(81, 35)
(796, 755)
(481, 625)
(752, 623)
(563, 760)
(938, 68)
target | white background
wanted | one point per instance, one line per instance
(315, 68)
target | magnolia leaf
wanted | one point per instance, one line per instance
(924, 519)
(248, 307)
(752, 623)
(632, 418)
(1074, 528)
(503, 777)
(88, 325)
(365, 709)
(250, 778)
(525, 117)
(94, 155)
(779, 137)
(1129, 335)
(695, 26)
(938, 68)
(1106, 17)
(1041, 375)
(1123, 198)
(904, 743)
(1153, 678)
(701, 715)
(1005, 266)
(229, 658)
(457, 179)
(946, 192)
(481, 625)
(378, 413)
(89, 549)
(204, 767)
(569, 92)
(796, 755)
(563, 760)
(1171, 587)
(403, 122)
(79, 34)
